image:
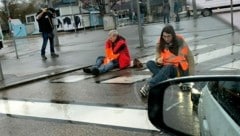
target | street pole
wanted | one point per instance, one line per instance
(194, 9)
(232, 15)
(56, 40)
(139, 26)
(107, 6)
(11, 31)
(149, 15)
(74, 23)
(1, 73)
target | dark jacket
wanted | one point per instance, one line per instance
(120, 47)
(166, 8)
(45, 22)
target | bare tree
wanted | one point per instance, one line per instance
(16, 9)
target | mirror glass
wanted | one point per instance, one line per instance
(187, 106)
(178, 110)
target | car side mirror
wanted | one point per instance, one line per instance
(173, 105)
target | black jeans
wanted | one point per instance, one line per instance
(46, 36)
(160, 73)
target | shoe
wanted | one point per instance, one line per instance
(144, 90)
(44, 57)
(54, 55)
(95, 72)
(137, 63)
(87, 70)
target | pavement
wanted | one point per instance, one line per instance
(67, 101)
(80, 49)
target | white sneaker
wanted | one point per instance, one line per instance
(144, 90)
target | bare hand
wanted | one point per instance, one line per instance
(160, 60)
(44, 10)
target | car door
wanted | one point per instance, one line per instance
(219, 109)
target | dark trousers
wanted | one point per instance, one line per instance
(166, 17)
(47, 36)
(160, 73)
(103, 68)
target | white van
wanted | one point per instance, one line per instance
(206, 6)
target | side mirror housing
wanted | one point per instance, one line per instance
(174, 109)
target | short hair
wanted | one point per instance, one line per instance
(113, 33)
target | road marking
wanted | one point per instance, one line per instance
(172, 106)
(25, 71)
(152, 57)
(126, 79)
(230, 66)
(119, 117)
(72, 78)
(216, 54)
(202, 46)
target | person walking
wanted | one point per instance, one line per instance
(44, 18)
(173, 59)
(166, 11)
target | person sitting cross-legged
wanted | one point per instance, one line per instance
(116, 55)
(173, 59)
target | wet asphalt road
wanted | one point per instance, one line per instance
(90, 92)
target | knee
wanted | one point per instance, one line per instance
(173, 70)
(150, 64)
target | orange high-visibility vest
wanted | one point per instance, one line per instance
(109, 55)
(180, 60)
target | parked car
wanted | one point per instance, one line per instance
(218, 107)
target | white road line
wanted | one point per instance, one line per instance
(201, 46)
(230, 66)
(216, 54)
(72, 78)
(120, 117)
(126, 79)
(152, 57)
(172, 106)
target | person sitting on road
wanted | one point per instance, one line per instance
(173, 59)
(116, 55)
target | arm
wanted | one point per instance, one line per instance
(158, 58)
(119, 46)
(157, 53)
(191, 62)
(41, 13)
(189, 57)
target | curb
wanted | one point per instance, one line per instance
(29, 80)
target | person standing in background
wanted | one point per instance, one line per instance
(44, 18)
(166, 11)
(176, 10)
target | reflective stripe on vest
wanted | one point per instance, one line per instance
(109, 55)
(170, 58)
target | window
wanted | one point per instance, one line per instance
(227, 93)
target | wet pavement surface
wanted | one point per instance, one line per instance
(215, 47)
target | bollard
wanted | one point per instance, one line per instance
(1, 73)
(139, 26)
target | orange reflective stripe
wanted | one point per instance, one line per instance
(170, 58)
(109, 55)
